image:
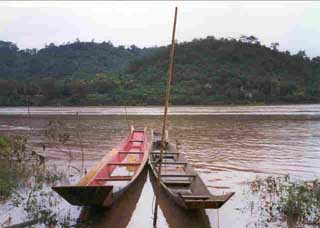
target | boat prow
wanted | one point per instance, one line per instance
(206, 201)
(85, 195)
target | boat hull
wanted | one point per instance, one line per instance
(86, 195)
(117, 171)
(180, 181)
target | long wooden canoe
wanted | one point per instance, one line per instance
(112, 176)
(179, 180)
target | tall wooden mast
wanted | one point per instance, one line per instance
(166, 103)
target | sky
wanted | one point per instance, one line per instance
(294, 25)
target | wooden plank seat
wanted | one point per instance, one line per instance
(171, 163)
(115, 178)
(184, 191)
(125, 164)
(165, 153)
(178, 175)
(131, 152)
(167, 157)
(134, 140)
(177, 182)
(164, 156)
(194, 197)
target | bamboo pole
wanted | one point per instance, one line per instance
(125, 109)
(166, 103)
(80, 141)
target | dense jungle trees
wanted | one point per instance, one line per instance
(206, 71)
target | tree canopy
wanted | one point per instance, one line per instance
(206, 71)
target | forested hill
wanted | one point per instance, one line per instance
(206, 71)
(64, 60)
(210, 71)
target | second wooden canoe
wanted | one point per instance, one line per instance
(179, 180)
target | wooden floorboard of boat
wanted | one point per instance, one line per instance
(195, 197)
(169, 153)
(115, 178)
(131, 152)
(125, 164)
(176, 182)
(178, 175)
(170, 163)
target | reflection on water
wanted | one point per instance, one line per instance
(227, 145)
(120, 213)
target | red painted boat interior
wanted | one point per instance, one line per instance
(125, 163)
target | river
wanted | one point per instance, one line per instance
(228, 146)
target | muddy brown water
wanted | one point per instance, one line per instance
(228, 146)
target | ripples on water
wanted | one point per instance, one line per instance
(227, 145)
(174, 110)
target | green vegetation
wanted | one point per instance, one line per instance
(28, 186)
(11, 176)
(206, 71)
(281, 199)
(26, 181)
(13, 147)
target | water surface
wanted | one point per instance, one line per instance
(228, 146)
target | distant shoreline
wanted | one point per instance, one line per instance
(294, 110)
(170, 105)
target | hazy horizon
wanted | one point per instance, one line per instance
(146, 24)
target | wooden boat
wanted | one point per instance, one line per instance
(179, 180)
(112, 176)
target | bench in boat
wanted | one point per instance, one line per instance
(194, 197)
(130, 152)
(178, 175)
(124, 163)
(170, 163)
(115, 178)
(165, 153)
(177, 182)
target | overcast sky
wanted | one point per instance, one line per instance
(295, 25)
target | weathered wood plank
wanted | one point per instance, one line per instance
(171, 163)
(125, 163)
(130, 152)
(178, 175)
(115, 178)
(177, 182)
(195, 197)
